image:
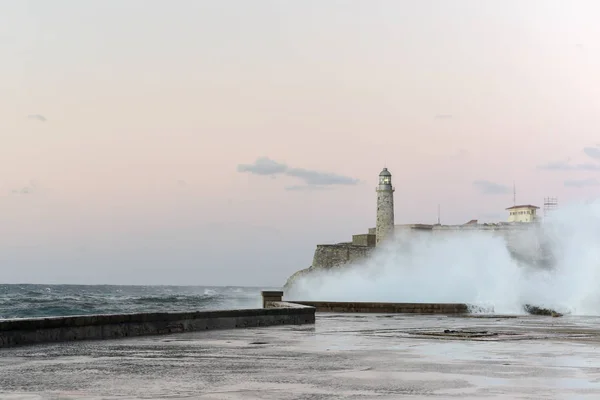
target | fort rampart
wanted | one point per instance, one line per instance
(519, 242)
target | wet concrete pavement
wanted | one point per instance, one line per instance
(341, 357)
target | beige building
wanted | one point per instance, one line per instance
(523, 213)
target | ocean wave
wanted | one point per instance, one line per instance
(25, 301)
(478, 268)
(172, 299)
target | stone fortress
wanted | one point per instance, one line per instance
(522, 247)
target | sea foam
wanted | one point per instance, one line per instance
(477, 268)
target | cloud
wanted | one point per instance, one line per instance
(443, 116)
(263, 166)
(593, 152)
(491, 188)
(37, 117)
(567, 166)
(33, 187)
(556, 166)
(581, 183)
(305, 188)
(25, 190)
(313, 179)
(320, 178)
(590, 151)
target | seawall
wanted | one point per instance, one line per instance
(17, 332)
(275, 299)
(386, 308)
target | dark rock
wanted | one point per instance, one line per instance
(535, 310)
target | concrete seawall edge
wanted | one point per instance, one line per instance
(17, 332)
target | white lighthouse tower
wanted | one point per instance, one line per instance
(384, 229)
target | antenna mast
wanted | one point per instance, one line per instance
(439, 215)
(514, 194)
(550, 204)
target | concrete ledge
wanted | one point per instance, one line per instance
(386, 308)
(58, 329)
(285, 304)
(269, 296)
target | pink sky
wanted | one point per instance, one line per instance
(127, 121)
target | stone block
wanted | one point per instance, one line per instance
(364, 240)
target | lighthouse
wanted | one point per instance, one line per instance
(384, 229)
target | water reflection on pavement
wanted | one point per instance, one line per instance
(341, 357)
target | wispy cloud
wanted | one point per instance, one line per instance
(590, 151)
(25, 190)
(305, 188)
(443, 116)
(593, 152)
(37, 117)
(314, 179)
(568, 166)
(490, 188)
(263, 166)
(581, 183)
(320, 178)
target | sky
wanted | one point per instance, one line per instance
(217, 142)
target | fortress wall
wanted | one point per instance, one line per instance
(334, 255)
(516, 237)
(523, 243)
(365, 240)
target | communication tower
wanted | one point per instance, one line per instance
(550, 204)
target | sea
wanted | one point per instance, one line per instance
(30, 301)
